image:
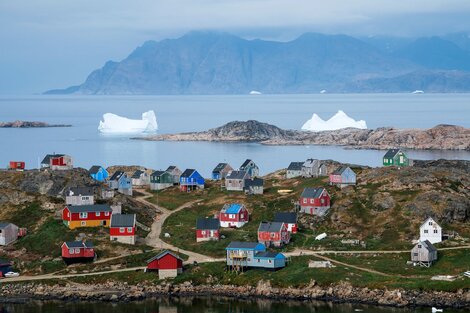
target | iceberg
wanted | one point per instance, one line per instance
(338, 121)
(116, 124)
(255, 92)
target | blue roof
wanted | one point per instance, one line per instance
(237, 245)
(269, 255)
(234, 208)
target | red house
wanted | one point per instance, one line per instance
(288, 218)
(78, 251)
(233, 215)
(122, 228)
(57, 162)
(207, 229)
(166, 263)
(315, 201)
(273, 233)
(16, 165)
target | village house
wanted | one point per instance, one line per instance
(80, 196)
(250, 167)
(121, 182)
(289, 219)
(343, 176)
(160, 180)
(233, 215)
(273, 234)
(78, 251)
(140, 178)
(294, 170)
(86, 215)
(424, 253)
(207, 229)
(122, 228)
(315, 201)
(395, 157)
(431, 231)
(191, 180)
(175, 173)
(5, 267)
(245, 255)
(221, 171)
(235, 180)
(57, 162)
(254, 186)
(98, 173)
(16, 165)
(8, 233)
(168, 265)
(106, 193)
(313, 168)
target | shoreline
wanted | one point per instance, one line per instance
(341, 293)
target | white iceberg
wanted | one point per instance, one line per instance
(255, 92)
(113, 123)
(338, 121)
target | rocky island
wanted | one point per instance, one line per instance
(440, 137)
(26, 124)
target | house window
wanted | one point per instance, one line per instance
(106, 213)
(415, 254)
(270, 261)
(231, 216)
(203, 232)
(305, 201)
(242, 215)
(435, 231)
(121, 230)
(71, 251)
(425, 231)
(258, 260)
(98, 213)
(430, 223)
(84, 198)
(83, 215)
(419, 246)
(129, 229)
(77, 251)
(83, 223)
(68, 214)
(322, 201)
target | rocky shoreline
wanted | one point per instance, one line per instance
(124, 292)
(440, 137)
(26, 124)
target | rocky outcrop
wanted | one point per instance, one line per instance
(343, 292)
(441, 137)
(25, 124)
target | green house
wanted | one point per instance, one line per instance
(395, 157)
(160, 180)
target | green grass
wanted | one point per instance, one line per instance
(27, 216)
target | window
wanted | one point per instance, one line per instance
(85, 198)
(430, 223)
(83, 215)
(435, 231)
(305, 201)
(415, 254)
(242, 215)
(322, 201)
(83, 223)
(77, 251)
(71, 251)
(203, 232)
(106, 213)
(231, 216)
(258, 260)
(420, 246)
(312, 201)
(425, 231)
(97, 213)
(129, 229)
(68, 214)
(270, 261)
(121, 230)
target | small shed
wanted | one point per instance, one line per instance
(254, 186)
(430, 230)
(424, 253)
(160, 180)
(207, 229)
(294, 170)
(167, 264)
(78, 251)
(221, 171)
(140, 178)
(395, 157)
(175, 173)
(343, 176)
(16, 165)
(57, 162)
(313, 168)
(8, 233)
(235, 180)
(98, 173)
(122, 228)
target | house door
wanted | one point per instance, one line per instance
(401, 159)
(212, 233)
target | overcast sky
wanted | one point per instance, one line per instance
(55, 43)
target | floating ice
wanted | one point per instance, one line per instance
(338, 121)
(255, 92)
(113, 123)
(417, 92)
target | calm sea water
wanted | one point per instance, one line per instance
(203, 304)
(193, 113)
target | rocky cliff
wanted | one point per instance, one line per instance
(26, 124)
(440, 137)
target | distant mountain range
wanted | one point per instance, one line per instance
(221, 63)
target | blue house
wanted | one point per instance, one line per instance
(5, 267)
(245, 255)
(190, 179)
(121, 182)
(98, 173)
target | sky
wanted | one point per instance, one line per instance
(51, 44)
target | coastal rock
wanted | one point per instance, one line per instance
(25, 124)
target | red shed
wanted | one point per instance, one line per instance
(16, 165)
(315, 201)
(78, 251)
(166, 263)
(207, 229)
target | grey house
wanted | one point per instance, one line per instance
(8, 233)
(80, 196)
(250, 167)
(424, 253)
(294, 170)
(121, 182)
(235, 180)
(313, 168)
(140, 178)
(254, 186)
(175, 173)
(221, 171)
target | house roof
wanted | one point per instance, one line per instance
(391, 153)
(137, 174)
(4, 224)
(117, 175)
(158, 173)
(270, 226)
(162, 254)
(254, 182)
(47, 158)
(427, 245)
(171, 168)
(340, 170)
(80, 191)
(312, 192)
(237, 175)
(207, 223)
(310, 162)
(427, 220)
(233, 208)
(188, 172)
(94, 169)
(79, 244)
(286, 217)
(219, 167)
(122, 220)
(269, 255)
(295, 166)
(246, 246)
(245, 164)
(89, 208)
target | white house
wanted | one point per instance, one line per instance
(431, 231)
